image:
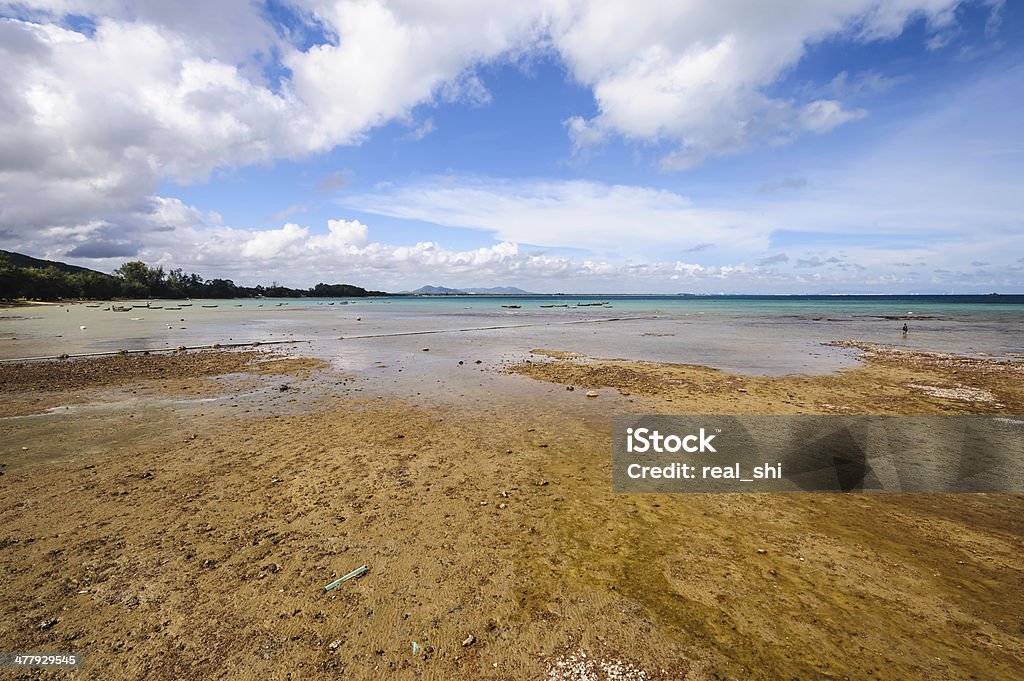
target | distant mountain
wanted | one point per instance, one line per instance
(444, 291)
(436, 291)
(27, 261)
(500, 290)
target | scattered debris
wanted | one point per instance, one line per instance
(579, 667)
(961, 393)
(355, 573)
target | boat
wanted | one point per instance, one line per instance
(209, 306)
(512, 307)
(554, 305)
(172, 308)
(120, 308)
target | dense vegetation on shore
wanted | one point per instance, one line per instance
(25, 277)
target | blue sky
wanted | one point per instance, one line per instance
(868, 146)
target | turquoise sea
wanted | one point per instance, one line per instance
(754, 334)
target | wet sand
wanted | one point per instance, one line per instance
(184, 533)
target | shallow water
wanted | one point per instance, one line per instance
(755, 335)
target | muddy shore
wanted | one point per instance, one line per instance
(184, 540)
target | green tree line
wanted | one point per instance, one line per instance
(138, 280)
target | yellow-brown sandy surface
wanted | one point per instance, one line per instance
(891, 382)
(188, 543)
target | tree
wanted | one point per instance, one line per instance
(140, 279)
(220, 288)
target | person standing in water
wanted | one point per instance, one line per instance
(905, 328)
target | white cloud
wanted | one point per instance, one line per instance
(274, 243)
(386, 58)
(342, 233)
(825, 114)
(567, 214)
(92, 121)
(695, 74)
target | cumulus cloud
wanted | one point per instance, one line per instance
(94, 119)
(274, 243)
(696, 76)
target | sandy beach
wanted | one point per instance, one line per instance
(178, 515)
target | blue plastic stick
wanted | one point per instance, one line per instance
(355, 573)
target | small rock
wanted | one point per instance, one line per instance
(470, 640)
(483, 503)
(51, 623)
(335, 644)
(762, 551)
(502, 506)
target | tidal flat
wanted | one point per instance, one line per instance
(178, 514)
